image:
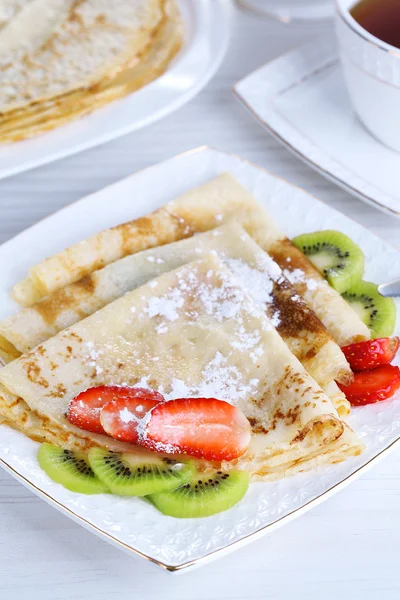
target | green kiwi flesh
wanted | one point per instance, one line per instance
(70, 469)
(377, 312)
(335, 256)
(204, 495)
(132, 474)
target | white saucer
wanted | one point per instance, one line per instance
(302, 100)
(288, 11)
(207, 27)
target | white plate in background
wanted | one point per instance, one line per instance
(207, 28)
(131, 523)
(302, 100)
(292, 11)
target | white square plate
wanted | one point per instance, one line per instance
(131, 523)
(302, 100)
(206, 32)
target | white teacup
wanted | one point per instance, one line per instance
(372, 73)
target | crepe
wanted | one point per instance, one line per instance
(23, 32)
(301, 330)
(192, 332)
(147, 66)
(225, 199)
(9, 8)
(74, 45)
(221, 200)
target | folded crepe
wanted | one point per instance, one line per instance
(148, 64)
(299, 327)
(9, 8)
(192, 332)
(53, 47)
(221, 200)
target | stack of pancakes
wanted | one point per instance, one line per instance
(62, 59)
(192, 300)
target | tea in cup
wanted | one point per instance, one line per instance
(369, 42)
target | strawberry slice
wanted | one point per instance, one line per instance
(202, 427)
(373, 386)
(372, 353)
(122, 418)
(84, 410)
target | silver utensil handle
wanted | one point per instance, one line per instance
(390, 290)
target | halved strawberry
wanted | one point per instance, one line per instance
(372, 353)
(122, 418)
(373, 386)
(202, 427)
(84, 410)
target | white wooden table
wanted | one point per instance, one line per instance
(347, 547)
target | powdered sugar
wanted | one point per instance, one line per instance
(142, 425)
(164, 448)
(312, 284)
(295, 276)
(179, 389)
(269, 266)
(222, 300)
(93, 357)
(227, 308)
(127, 416)
(223, 381)
(165, 306)
(199, 292)
(257, 283)
(298, 276)
(246, 340)
(256, 353)
(275, 319)
(143, 383)
(219, 379)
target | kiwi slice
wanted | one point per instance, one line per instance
(204, 495)
(129, 474)
(71, 469)
(377, 312)
(335, 256)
